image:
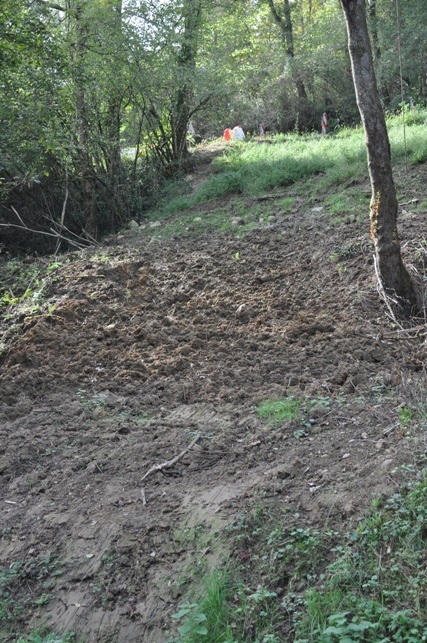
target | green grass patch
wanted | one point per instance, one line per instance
(238, 216)
(286, 204)
(208, 619)
(278, 411)
(420, 207)
(312, 164)
(413, 145)
(348, 205)
(245, 600)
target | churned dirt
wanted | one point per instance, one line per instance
(149, 346)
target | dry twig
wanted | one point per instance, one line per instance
(387, 299)
(170, 463)
(77, 242)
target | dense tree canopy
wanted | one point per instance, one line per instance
(97, 95)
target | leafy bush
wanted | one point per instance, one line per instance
(375, 590)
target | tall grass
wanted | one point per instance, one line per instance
(408, 137)
(255, 167)
(209, 619)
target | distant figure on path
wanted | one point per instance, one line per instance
(238, 133)
(262, 130)
(324, 123)
(228, 134)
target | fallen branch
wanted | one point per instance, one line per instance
(61, 225)
(82, 243)
(418, 330)
(269, 197)
(170, 463)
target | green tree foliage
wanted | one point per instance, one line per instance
(96, 95)
(32, 68)
(400, 27)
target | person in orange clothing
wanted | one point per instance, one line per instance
(228, 134)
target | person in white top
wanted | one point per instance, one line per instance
(238, 133)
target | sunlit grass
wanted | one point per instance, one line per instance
(257, 167)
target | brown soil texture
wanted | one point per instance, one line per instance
(149, 344)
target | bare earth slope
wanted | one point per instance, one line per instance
(151, 344)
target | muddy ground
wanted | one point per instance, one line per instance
(148, 346)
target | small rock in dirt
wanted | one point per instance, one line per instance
(386, 463)
(380, 445)
(284, 472)
(110, 399)
(197, 219)
(99, 411)
(345, 456)
(168, 321)
(155, 224)
(243, 313)
(197, 343)
(237, 221)
(364, 436)
(348, 508)
(264, 278)
(133, 225)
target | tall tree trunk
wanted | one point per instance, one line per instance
(79, 29)
(115, 97)
(372, 11)
(373, 23)
(284, 21)
(186, 67)
(114, 107)
(394, 277)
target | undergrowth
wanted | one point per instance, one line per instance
(23, 281)
(256, 167)
(284, 582)
(26, 585)
(376, 589)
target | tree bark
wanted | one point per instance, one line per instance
(114, 106)
(284, 22)
(82, 119)
(373, 24)
(186, 62)
(383, 214)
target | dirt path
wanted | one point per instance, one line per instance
(148, 345)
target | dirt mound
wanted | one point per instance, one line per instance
(151, 344)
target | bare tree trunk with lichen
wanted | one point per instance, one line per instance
(393, 274)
